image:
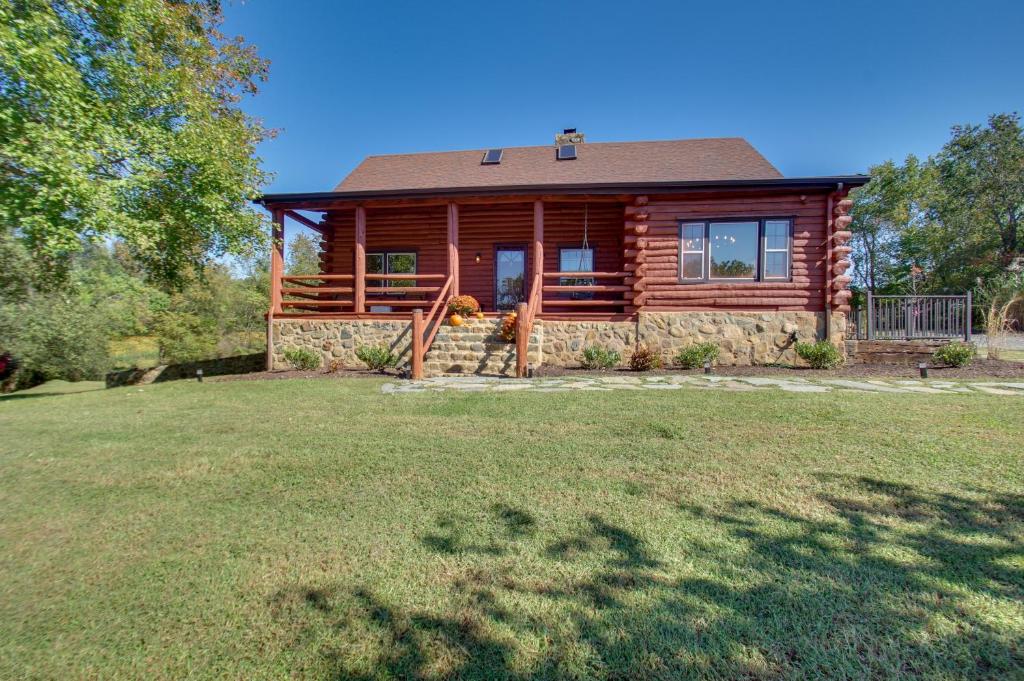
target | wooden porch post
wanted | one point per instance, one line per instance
(359, 299)
(453, 246)
(538, 250)
(276, 260)
(522, 340)
(416, 362)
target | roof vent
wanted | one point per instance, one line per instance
(492, 157)
(566, 152)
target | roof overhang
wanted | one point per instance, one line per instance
(796, 183)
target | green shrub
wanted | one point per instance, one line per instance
(644, 359)
(955, 354)
(694, 356)
(376, 358)
(820, 355)
(596, 357)
(303, 358)
(55, 337)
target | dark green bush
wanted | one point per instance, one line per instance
(694, 356)
(955, 354)
(303, 358)
(820, 355)
(597, 357)
(644, 359)
(376, 358)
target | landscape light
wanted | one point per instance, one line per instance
(707, 366)
(199, 375)
(923, 366)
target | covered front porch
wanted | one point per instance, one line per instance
(385, 261)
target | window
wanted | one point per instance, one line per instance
(776, 249)
(576, 260)
(735, 250)
(492, 157)
(391, 262)
(566, 152)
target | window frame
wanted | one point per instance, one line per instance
(564, 281)
(759, 265)
(386, 254)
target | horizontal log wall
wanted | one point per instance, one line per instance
(481, 228)
(651, 252)
(660, 267)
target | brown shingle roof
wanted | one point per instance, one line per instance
(695, 160)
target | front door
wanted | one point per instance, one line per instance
(509, 277)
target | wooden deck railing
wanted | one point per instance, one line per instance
(336, 292)
(424, 329)
(602, 291)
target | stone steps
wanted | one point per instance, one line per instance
(474, 348)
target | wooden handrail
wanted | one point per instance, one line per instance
(422, 333)
(400, 277)
(586, 275)
(524, 325)
(323, 277)
(439, 305)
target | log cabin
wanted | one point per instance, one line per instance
(617, 244)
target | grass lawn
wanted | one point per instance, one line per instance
(319, 529)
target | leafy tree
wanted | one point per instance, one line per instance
(981, 176)
(303, 255)
(119, 118)
(943, 224)
(884, 211)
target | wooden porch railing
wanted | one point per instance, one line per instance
(619, 294)
(316, 292)
(424, 329)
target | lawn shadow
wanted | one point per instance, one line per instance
(879, 580)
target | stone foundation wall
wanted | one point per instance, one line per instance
(744, 338)
(562, 343)
(337, 339)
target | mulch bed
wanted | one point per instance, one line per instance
(981, 368)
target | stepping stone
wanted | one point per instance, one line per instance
(503, 387)
(994, 391)
(863, 386)
(805, 388)
(662, 386)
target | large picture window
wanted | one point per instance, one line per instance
(735, 250)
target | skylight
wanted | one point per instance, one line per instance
(492, 157)
(566, 152)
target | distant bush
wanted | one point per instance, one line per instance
(694, 356)
(955, 354)
(596, 357)
(820, 355)
(53, 336)
(303, 358)
(376, 358)
(644, 359)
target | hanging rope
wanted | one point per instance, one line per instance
(586, 244)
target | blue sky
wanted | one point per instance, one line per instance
(818, 87)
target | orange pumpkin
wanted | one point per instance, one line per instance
(456, 320)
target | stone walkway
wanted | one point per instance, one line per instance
(739, 383)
